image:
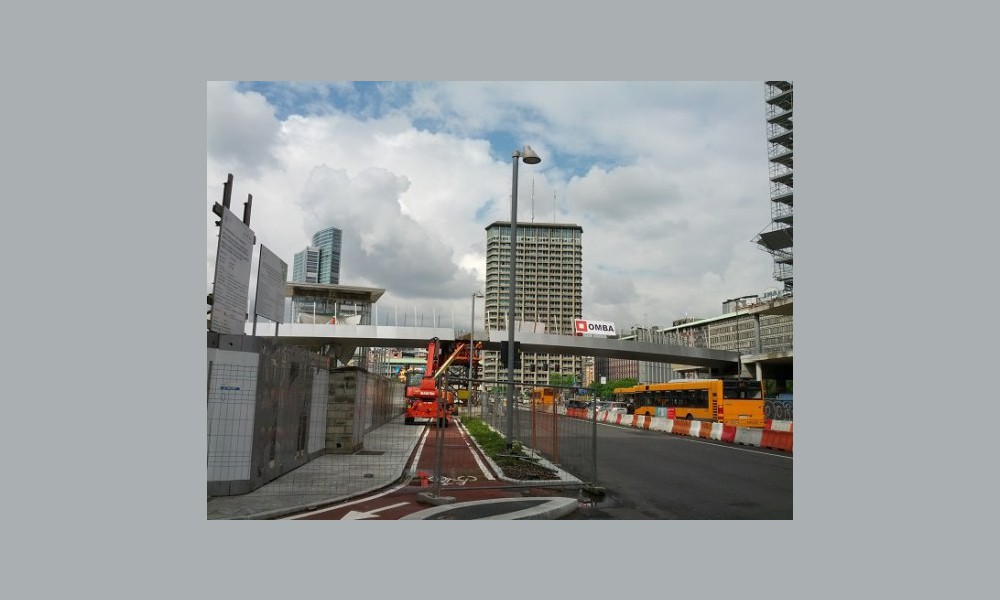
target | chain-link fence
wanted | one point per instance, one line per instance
(546, 430)
(287, 431)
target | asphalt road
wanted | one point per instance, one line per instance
(653, 475)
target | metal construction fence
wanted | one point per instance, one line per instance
(566, 442)
(286, 430)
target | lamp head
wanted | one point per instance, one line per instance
(529, 157)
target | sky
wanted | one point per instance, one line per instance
(669, 181)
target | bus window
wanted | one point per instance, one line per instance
(742, 388)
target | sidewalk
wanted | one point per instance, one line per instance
(333, 478)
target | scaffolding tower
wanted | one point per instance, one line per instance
(777, 240)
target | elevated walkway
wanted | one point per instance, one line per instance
(344, 339)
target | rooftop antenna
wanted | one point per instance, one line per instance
(553, 206)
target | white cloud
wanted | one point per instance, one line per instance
(668, 181)
(242, 130)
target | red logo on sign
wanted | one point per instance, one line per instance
(581, 327)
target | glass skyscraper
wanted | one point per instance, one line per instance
(305, 267)
(320, 262)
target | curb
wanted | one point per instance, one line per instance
(564, 477)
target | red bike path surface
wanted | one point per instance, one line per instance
(471, 486)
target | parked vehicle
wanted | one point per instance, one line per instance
(615, 407)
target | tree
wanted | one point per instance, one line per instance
(560, 379)
(604, 390)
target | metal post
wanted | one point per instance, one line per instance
(472, 337)
(439, 388)
(510, 306)
(739, 354)
(593, 438)
(227, 191)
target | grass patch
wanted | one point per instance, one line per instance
(492, 443)
(514, 462)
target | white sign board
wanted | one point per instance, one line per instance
(232, 275)
(271, 275)
(588, 327)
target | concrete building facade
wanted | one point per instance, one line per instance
(549, 294)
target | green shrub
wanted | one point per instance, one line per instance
(492, 443)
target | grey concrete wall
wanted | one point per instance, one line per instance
(359, 402)
(272, 408)
(279, 418)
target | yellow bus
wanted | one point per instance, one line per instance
(732, 401)
(543, 395)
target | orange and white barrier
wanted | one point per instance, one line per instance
(776, 435)
(772, 425)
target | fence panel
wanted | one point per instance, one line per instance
(287, 433)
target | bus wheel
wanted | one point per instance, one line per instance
(408, 420)
(689, 417)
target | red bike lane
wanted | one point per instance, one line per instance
(466, 476)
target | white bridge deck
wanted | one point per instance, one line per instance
(345, 338)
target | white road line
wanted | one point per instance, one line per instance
(475, 455)
(420, 449)
(369, 514)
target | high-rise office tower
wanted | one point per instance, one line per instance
(549, 294)
(328, 241)
(305, 266)
(319, 262)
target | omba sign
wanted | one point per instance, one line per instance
(588, 327)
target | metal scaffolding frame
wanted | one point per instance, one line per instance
(777, 240)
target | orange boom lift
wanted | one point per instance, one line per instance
(426, 397)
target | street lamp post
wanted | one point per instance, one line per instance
(472, 342)
(529, 157)
(739, 354)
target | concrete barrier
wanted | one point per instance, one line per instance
(682, 427)
(747, 436)
(776, 435)
(772, 425)
(776, 440)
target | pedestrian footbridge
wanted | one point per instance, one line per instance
(344, 339)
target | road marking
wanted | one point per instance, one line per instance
(370, 514)
(475, 455)
(366, 498)
(420, 449)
